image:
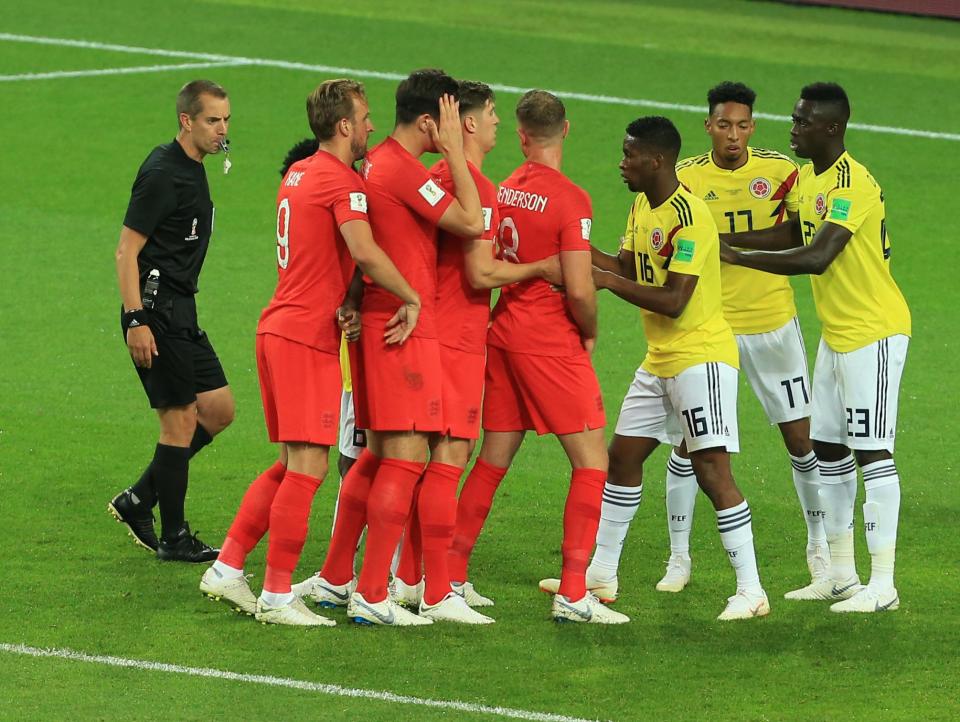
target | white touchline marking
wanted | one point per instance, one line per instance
(331, 689)
(116, 71)
(379, 75)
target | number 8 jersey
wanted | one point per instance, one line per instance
(680, 236)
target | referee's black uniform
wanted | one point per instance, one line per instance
(170, 205)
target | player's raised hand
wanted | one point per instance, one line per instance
(348, 319)
(401, 325)
(142, 346)
(448, 137)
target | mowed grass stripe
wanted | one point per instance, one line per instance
(269, 680)
(499, 87)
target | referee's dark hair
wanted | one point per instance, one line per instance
(188, 99)
(420, 92)
(730, 92)
(830, 95)
(657, 133)
(331, 102)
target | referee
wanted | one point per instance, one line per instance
(167, 230)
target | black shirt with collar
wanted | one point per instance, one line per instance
(170, 204)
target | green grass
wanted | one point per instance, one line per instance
(74, 427)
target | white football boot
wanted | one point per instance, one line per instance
(588, 610)
(869, 600)
(453, 608)
(387, 613)
(744, 605)
(233, 591)
(606, 590)
(826, 590)
(677, 575)
(295, 614)
(328, 595)
(470, 594)
(404, 594)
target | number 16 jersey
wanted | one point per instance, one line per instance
(679, 235)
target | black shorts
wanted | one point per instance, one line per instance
(187, 364)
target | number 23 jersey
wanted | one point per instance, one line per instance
(679, 235)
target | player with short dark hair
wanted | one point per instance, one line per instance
(841, 239)
(163, 242)
(322, 230)
(745, 188)
(686, 388)
(397, 391)
(467, 270)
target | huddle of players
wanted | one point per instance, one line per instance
(426, 368)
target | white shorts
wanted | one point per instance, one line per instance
(856, 394)
(352, 439)
(698, 406)
(775, 364)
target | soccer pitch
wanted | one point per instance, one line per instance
(78, 119)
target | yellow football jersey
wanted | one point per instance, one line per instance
(680, 236)
(345, 364)
(755, 196)
(857, 300)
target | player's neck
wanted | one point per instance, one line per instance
(191, 150)
(549, 155)
(412, 140)
(663, 188)
(474, 153)
(829, 156)
(725, 164)
(339, 151)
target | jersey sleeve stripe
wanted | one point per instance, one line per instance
(683, 210)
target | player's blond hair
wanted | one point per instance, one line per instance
(331, 102)
(541, 114)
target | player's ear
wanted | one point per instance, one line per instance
(470, 124)
(566, 128)
(185, 121)
(706, 124)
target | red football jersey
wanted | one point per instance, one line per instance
(317, 196)
(405, 206)
(542, 212)
(463, 312)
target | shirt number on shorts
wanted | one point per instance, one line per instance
(788, 386)
(861, 418)
(509, 240)
(283, 233)
(695, 421)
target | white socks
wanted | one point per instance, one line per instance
(620, 504)
(838, 492)
(880, 515)
(736, 533)
(806, 480)
(275, 599)
(681, 498)
(226, 571)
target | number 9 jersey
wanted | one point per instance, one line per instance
(680, 236)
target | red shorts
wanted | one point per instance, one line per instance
(462, 391)
(300, 388)
(396, 387)
(549, 394)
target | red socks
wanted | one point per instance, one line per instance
(438, 518)
(253, 517)
(289, 515)
(410, 566)
(476, 498)
(581, 517)
(351, 519)
(388, 508)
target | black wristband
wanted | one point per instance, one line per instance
(133, 319)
